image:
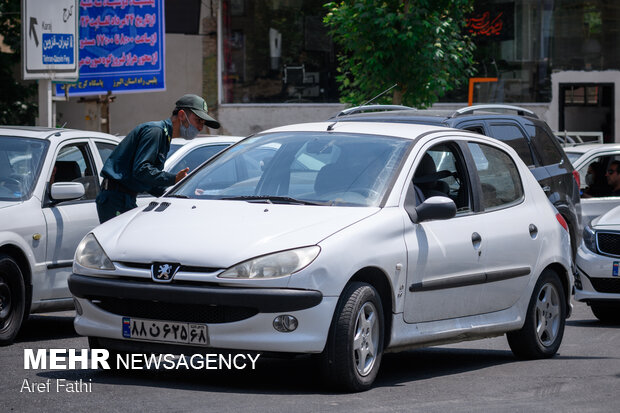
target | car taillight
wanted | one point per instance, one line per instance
(577, 178)
(562, 221)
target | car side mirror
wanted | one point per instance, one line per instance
(65, 191)
(434, 208)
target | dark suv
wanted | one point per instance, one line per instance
(520, 128)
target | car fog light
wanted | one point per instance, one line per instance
(78, 307)
(285, 323)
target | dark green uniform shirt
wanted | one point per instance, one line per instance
(138, 161)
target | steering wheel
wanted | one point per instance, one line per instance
(11, 184)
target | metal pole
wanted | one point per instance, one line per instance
(46, 117)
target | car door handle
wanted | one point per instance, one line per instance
(533, 230)
(476, 240)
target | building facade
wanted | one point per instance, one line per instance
(265, 63)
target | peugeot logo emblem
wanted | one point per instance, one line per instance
(163, 272)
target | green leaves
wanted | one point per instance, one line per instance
(418, 44)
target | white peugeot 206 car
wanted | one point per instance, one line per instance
(354, 239)
(597, 281)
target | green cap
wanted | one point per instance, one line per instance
(199, 107)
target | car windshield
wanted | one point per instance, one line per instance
(301, 168)
(20, 163)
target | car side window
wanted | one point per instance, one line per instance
(515, 138)
(592, 176)
(73, 164)
(499, 177)
(105, 149)
(441, 172)
(545, 146)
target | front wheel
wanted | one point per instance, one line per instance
(12, 299)
(543, 330)
(354, 347)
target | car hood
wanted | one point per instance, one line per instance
(609, 220)
(219, 234)
(4, 204)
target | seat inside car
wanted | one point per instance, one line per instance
(66, 171)
(427, 178)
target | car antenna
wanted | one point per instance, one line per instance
(331, 127)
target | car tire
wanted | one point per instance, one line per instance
(354, 346)
(12, 299)
(541, 335)
(606, 313)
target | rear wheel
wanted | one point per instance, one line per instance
(543, 330)
(606, 313)
(354, 347)
(12, 299)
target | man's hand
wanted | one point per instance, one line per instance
(181, 174)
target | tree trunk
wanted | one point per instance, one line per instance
(397, 97)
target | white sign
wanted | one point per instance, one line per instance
(50, 39)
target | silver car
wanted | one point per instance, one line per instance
(347, 240)
(597, 282)
(49, 179)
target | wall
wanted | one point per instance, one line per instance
(242, 120)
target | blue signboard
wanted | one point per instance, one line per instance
(121, 47)
(57, 48)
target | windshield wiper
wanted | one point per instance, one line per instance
(270, 199)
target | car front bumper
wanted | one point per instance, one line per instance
(598, 277)
(236, 318)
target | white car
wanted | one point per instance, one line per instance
(601, 155)
(350, 242)
(191, 153)
(597, 282)
(49, 179)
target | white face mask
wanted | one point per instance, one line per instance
(188, 132)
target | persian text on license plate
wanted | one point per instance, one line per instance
(166, 331)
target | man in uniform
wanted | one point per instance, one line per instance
(136, 165)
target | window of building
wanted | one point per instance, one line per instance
(521, 42)
(277, 51)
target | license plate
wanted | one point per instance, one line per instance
(165, 331)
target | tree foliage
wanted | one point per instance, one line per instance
(16, 98)
(420, 45)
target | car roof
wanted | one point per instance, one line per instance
(41, 132)
(592, 148)
(402, 130)
(37, 132)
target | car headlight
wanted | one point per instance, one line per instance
(279, 264)
(589, 238)
(89, 254)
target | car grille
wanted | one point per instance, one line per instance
(156, 310)
(608, 243)
(606, 285)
